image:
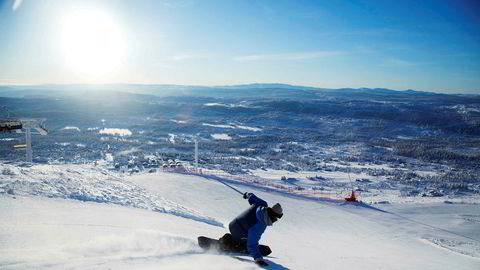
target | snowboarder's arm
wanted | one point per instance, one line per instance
(252, 199)
(254, 234)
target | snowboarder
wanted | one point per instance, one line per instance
(247, 228)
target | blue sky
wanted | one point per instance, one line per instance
(422, 45)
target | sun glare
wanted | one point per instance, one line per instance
(92, 42)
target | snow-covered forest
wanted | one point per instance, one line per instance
(117, 186)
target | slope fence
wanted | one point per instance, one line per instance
(245, 179)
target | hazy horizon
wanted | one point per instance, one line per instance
(232, 85)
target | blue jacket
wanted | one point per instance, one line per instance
(250, 225)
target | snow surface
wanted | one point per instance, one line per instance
(88, 183)
(171, 138)
(225, 105)
(178, 121)
(221, 136)
(71, 128)
(233, 126)
(86, 217)
(116, 131)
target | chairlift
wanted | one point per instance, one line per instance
(7, 125)
(24, 126)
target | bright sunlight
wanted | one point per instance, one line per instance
(92, 42)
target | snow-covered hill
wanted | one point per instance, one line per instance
(85, 217)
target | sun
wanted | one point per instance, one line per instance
(92, 42)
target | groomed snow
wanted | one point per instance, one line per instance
(42, 229)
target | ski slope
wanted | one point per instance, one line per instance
(151, 221)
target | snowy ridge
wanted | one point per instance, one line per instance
(89, 184)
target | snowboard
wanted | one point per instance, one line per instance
(215, 244)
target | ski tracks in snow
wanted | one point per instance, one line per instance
(466, 248)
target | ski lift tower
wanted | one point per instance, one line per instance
(196, 155)
(24, 126)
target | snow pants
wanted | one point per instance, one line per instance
(239, 235)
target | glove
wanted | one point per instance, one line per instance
(261, 262)
(245, 195)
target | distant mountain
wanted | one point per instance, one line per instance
(246, 91)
